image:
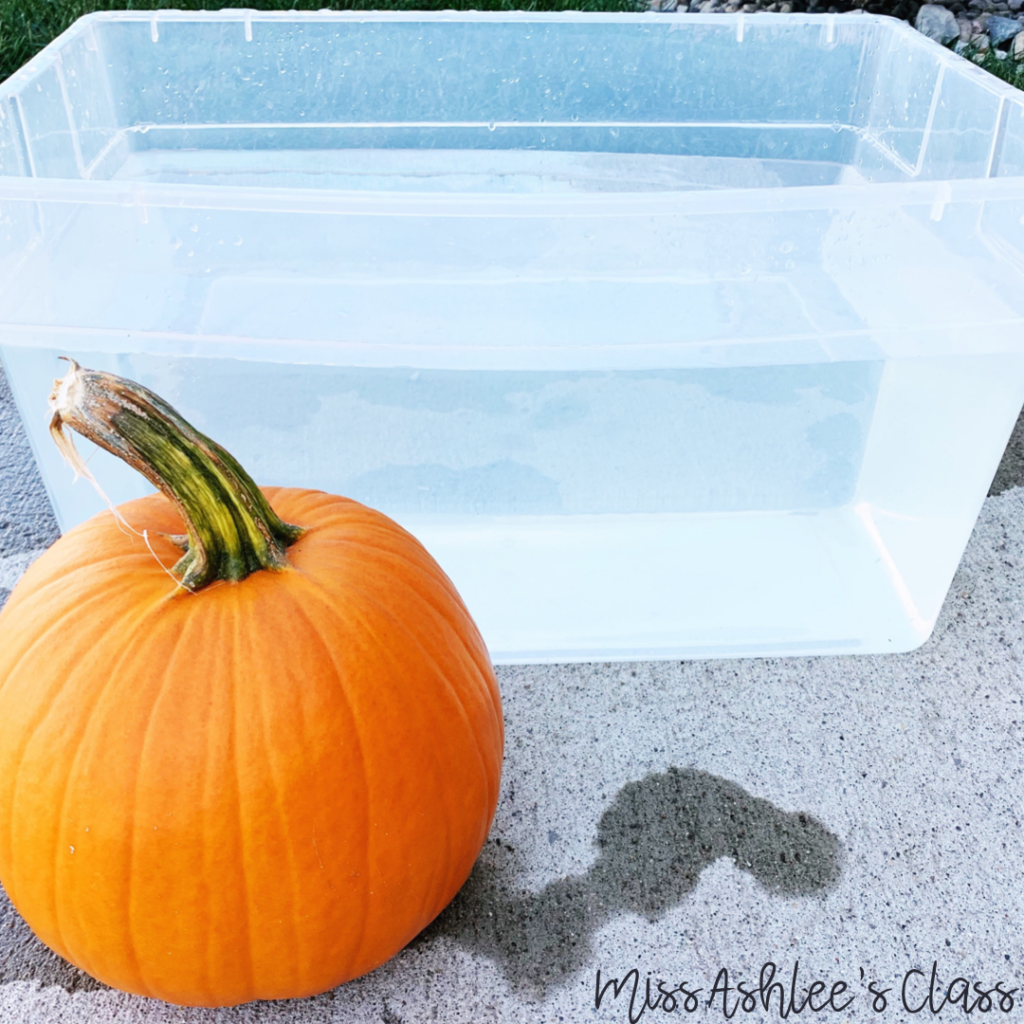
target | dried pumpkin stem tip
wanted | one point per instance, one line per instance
(232, 531)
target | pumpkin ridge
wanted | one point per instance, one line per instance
(131, 822)
(470, 651)
(363, 762)
(455, 696)
(215, 765)
(301, 502)
(344, 514)
(457, 700)
(282, 816)
(53, 626)
(83, 579)
(63, 595)
(90, 719)
(81, 576)
(372, 597)
(244, 852)
(424, 563)
(181, 630)
(354, 516)
(45, 708)
(130, 561)
(425, 572)
(315, 634)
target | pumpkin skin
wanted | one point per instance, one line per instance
(256, 791)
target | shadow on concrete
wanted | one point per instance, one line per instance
(654, 840)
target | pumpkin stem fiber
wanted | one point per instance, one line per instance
(232, 531)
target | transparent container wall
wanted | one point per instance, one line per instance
(819, 508)
(519, 289)
(599, 308)
(716, 434)
(242, 99)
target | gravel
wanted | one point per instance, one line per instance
(980, 24)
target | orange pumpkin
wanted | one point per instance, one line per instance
(257, 785)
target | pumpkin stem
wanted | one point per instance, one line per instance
(232, 531)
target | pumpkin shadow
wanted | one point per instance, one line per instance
(655, 839)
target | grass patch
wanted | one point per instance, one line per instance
(1008, 69)
(26, 26)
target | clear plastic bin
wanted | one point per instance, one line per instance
(669, 336)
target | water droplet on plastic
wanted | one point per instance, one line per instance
(491, 126)
(786, 247)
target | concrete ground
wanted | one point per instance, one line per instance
(853, 819)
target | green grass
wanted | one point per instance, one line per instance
(26, 26)
(1008, 69)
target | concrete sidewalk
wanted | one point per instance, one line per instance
(859, 816)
